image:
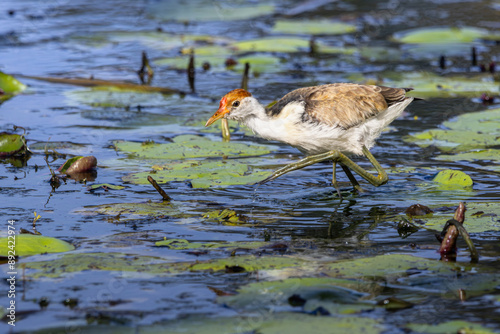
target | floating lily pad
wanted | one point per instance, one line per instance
(105, 186)
(225, 216)
(163, 40)
(479, 217)
(453, 178)
(468, 131)
(259, 63)
(106, 97)
(455, 326)
(427, 84)
(486, 155)
(12, 144)
(440, 35)
(183, 244)
(313, 27)
(287, 45)
(128, 211)
(9, 86)
(202, 174)
(192, 11)
(260, 295)
(190, 146)
(485, 121)
(58, 146)
(29, 244)
(389, 266)
(272, 323)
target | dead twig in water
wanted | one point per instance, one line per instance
(145, 69)
(159, 189)
(191, 72)
(107, 83)
(448, 237)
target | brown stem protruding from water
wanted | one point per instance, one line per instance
(163, 194)
(145, 69)
(191, 72)
(450, 233)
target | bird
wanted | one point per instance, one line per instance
(325, 122)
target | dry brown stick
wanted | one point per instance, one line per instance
(106, 83)
(191, 71)
(159, 189)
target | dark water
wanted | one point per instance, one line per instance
(78, 39)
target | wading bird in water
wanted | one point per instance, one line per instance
(325, 122)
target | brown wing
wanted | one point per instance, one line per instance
(341, 104)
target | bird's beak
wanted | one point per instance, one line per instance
(219, 113)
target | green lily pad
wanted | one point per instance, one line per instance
(259, 295)
(106, 97)
(29, 244)
(484, 121)
(475, 130)
(69, 263)
(479, 217)
(78, 262)
(9, 86)
(427, 84)
(389, 266)
(287, 45)
(259, 63)
(12, 144)
(225, 216)
(202, 174)
(163, 40)
(486, 155)
(272, 323)
(438, 35)
(183, 244)
(313, 27)
(129, 211)
(192, 11)
(190, 146)
(453, 178)
(455, 326)
(105, 186)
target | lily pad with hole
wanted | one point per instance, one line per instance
(190, 146)
(313, 27)
(12, 144)
(29, 244)
(202, 174)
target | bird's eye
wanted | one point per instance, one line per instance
(236, 104)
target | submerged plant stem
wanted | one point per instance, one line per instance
(159, 189)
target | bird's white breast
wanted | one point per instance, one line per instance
(316, 137)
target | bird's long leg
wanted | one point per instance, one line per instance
(334, 179)
(341, 158)
(351, 177)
